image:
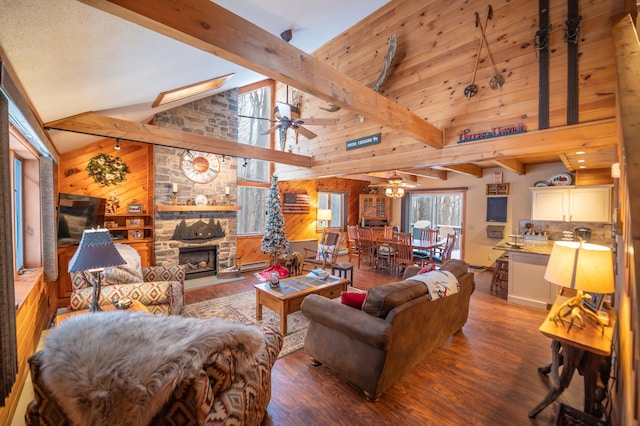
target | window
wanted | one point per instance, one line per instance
(254, 176)
(334, 201)
(18, 225)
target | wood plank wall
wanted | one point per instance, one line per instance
(136, 188)
(302, 226)
(437, 46)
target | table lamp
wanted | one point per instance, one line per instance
(95, 252)
(325, 216)
(584, 267)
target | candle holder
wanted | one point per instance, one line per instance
(174, 198)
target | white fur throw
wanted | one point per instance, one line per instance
(120, 368)
(130, 272)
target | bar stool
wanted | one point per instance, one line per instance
(501, 273)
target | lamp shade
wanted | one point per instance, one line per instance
(96, 250)
(324, 214)
(581, 266)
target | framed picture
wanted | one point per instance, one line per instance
(134, 208)
(136, 235)
(136, 222)
(497, 177)
(595, 303)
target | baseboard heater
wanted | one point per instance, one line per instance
(254, 266)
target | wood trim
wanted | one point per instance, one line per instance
(209, 27)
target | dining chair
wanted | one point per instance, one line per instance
(385, 250)
(354, 244)
(443, 255)
(428, 238)
(367, 247)
(403, 251)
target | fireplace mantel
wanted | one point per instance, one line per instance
(172, 208)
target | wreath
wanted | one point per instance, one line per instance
(106, 169)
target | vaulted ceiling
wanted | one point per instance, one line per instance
(76, 66)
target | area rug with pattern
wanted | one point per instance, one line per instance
(242, 308)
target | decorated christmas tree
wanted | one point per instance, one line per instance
(274, 240)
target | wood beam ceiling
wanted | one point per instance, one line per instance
(207, 26)
(466, 169)
(511, 164)
(108, 127)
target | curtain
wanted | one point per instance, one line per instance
(8, 339)
(47, 201)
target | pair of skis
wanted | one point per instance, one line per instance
(541, 42)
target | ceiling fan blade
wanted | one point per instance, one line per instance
(271, 130)
(258, 118)
(317, 121)
(306, 132)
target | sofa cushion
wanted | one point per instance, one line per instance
(382, 299)
(457, 266)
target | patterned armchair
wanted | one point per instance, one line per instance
(216, 391)
(159, 288)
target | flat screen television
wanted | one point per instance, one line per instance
(77, 213)
(496, 209)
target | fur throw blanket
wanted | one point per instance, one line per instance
(120, 368)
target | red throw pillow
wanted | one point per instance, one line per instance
(427, 268)
(355, 300)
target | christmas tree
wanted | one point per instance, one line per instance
(274, 239)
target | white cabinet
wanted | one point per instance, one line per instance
(572, 204)
(527, 285)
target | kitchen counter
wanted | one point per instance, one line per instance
(526, 246)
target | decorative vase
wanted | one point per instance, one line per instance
(274, 280)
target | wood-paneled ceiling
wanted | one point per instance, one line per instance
(420, 108)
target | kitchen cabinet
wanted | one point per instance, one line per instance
(572, 203)
(375, 207)
(527, 285)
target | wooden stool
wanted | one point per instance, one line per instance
(343, 268)
(501, 273)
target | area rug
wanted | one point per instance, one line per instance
(242, 308)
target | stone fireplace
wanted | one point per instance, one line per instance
(197, 228)
(199, 261)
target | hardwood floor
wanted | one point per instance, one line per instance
(485, 375)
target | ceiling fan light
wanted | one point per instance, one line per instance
(400, 192)
(388, 192)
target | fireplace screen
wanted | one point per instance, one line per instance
(199, 261)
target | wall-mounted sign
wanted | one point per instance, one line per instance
(365, 141)
(467, 135)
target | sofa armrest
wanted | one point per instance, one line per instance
(410, 271)
(354, 323)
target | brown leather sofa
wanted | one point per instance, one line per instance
(396, 328)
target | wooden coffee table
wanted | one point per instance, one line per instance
(287, 298)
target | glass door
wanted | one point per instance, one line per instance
(441, 210)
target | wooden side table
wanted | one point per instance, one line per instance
(135, 306)
(585, 348)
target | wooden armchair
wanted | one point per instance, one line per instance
(327, 252)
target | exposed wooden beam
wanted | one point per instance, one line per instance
(592, 135)
(388, 174)
(99, 125)
(207, 26)
(466, 169)
(511, 164)
(566, 162)
(427, 172)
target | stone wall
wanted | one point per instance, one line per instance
(214, 116)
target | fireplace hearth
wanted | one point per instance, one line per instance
(199, 261)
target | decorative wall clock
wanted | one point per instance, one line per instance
(200, 166)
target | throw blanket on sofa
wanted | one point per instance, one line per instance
(439, 283)
(121, 367)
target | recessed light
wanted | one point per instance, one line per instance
(580, 161)
(580, 152)
(583, 167)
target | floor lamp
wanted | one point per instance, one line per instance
(587, 268)
(95, 252)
